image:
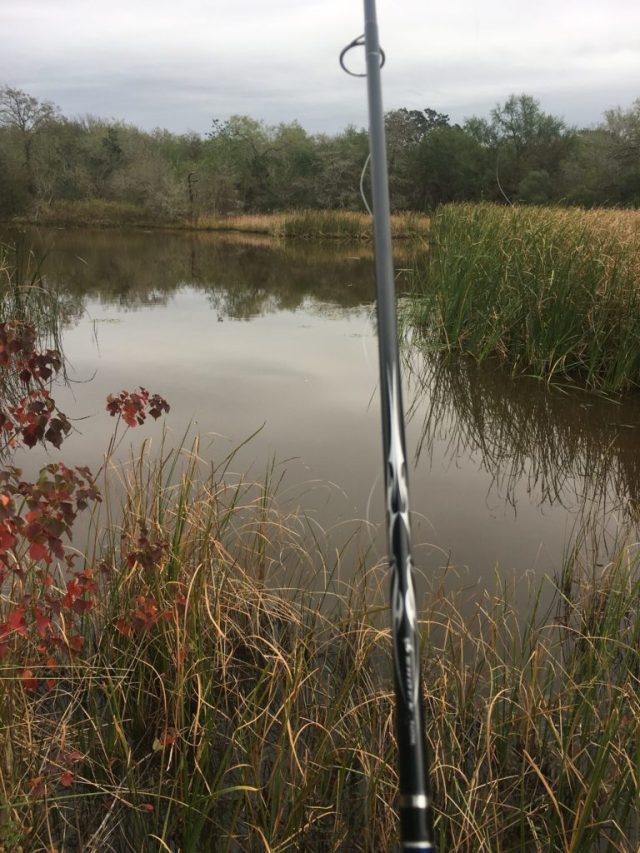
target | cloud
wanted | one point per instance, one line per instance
(179, 64)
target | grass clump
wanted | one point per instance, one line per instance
(206, 702)
(316, 224)
(348, 225)
(332, 224)
(210, 707)
(549, 292)
(27, 296)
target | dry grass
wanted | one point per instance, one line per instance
(317, 224)
(303, 224)
(250, 223)
(259, 717)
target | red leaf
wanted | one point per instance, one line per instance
(30, 435)
(28, 681)
(81, 605)
(15, 621)
(73, 755)
(37, 786)
(32, 530)
(66, 779)
(76, 642)
(43, 624)
(123, 627)
(7, 539)
(39, 552)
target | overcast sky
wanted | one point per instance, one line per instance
(179, 63)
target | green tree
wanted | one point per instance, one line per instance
(622, 128)
(183, 154)
(294, 165)
(588, 177)
(527, 140)
(13, 192)
(62, 164)
(341, 160)
(237, 156)
(405, 131)
(449, 165)
(536, 187)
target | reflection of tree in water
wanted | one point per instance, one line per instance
(562, 445)
(242, 279)
(27, 294)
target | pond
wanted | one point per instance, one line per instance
(248, 335)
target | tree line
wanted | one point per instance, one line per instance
(518, 154)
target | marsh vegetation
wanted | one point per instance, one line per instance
(197, 664)
(206, 701)
(548, 292)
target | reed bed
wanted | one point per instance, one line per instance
(301, 224)
(549, 292)
(215, 706)
(317, 224)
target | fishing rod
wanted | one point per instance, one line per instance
(416, 829)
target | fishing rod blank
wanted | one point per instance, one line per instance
(416, 830)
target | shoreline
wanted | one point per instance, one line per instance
(294, 224)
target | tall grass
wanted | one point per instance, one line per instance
(304, 224)
(317, 224)
(547, 291)
(236, 715)
(27, 296)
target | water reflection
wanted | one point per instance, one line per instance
(135, 270)
(304, 366)
(295, 351)
(564, 448)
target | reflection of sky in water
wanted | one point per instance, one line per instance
(304, 364)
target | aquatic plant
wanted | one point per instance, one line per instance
(545, 291)
(317, 224)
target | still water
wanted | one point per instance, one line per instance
(252, 335)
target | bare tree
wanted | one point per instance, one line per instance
(27, 115)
